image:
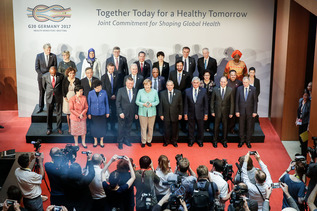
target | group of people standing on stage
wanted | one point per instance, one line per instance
(157, 95)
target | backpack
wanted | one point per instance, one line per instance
(200, 197)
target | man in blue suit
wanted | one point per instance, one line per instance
(43, 62)
(120, 63)
(196, 111)
(246, 110)
(158, 82)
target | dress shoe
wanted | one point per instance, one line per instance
(225, 145)
(214, 144)
(39, 111)
(200, 144)
(149, 144)
(48, 132)
(60, 131)
(127, 143)
(102, 145)
(248, 145)
(95, 145)
(142, 145)
(240, 144)
(175, 145)
(190, 144)
(85, 146)
(165, 145)
(120, 146)
(1, 126)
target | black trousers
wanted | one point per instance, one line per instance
(224, 120)
(246, 125)
(124, 129)
(170, 132)
(200, 130)
(50, 108)
(100, 204)
(41, 92)
(302, 128)
(232, 123)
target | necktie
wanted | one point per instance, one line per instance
(111, 83)
(134, 80)
(205, 63)
(53, 82)
(47, 60)
(179, 78)
(141, 67)
(89, 80)
(185, 65)
(130, 95)
(155, 83)
(170, 98)
(117, 63)
(246, 94)
(195, 95)
(222, 92)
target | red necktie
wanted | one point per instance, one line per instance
(141, 67)
(53, 82)
(117, 63)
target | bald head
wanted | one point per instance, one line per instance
(53, 71)
(96, 159)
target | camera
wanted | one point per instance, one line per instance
(10, 202)
(252, 152)
(177, 192)
(147, 197)
(69, 153)
(276, 185)
(120, 157)
(227, 169)
(85, 152)
(178, 157)
(37, 154)
(57, 208)
(237, 196)
(37, 144)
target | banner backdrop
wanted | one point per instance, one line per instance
(134, 25)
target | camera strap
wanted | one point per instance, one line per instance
(260, 192)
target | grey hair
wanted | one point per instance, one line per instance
(205, 49)
(170, 81)
(132, 65)
(246, 78)
(195, 79)
(47, 45)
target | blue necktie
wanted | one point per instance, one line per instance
(111, 83)
(205, 63)
(185, 65)
(246, 94)
(179, 78)
(155, 83)
(195, 95)
(130, 95)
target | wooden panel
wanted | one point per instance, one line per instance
(8, 88)
(295, 68)
(310, 5)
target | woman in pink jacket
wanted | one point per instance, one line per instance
(78, 108)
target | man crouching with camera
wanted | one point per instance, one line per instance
(239, 199)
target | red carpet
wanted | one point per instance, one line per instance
(272, 151)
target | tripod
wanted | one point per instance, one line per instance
(36, 168)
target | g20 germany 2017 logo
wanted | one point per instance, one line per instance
(43, 13)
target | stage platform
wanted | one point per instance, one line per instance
(38, 130)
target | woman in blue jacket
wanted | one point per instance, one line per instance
(98, 112)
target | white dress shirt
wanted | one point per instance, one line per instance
(96, 189)
(29, 182)
(195, 97)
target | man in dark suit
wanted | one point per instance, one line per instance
(180, 78)
(189, 62)
(121, 65)
(233, 83)
(206, 63)
(87, 81)
(158, 82)
(143, 66)
(43, 63)
(170, 111)
(127, 111)
(110, 83)
(52, 85)
(196, 111)
(221, 107)
(137, 78)
(246, 110)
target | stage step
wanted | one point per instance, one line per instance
(38, 131)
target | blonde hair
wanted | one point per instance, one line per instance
(163, 164)
(146, 81)
(66, 52)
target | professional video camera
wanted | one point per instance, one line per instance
(227, 169)
(147, 197)
(177, 192)
(37, 145)
(237, 196)
(69, 153)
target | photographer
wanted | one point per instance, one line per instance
(77, 195)
(165, 199)
(30, 182)
(296, 186)
(239, 200)
(312, 169)
(145, 179)
(97, 192)
(13, 202)
(250, 168)
(56, 171)
(204, 191)
(217, 177)
(113, 190)
(181, 175)
(263, 180)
